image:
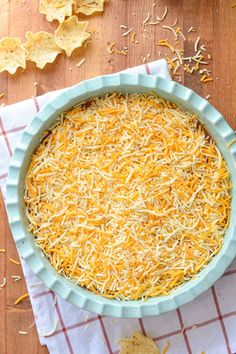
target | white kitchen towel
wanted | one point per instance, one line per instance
(206, 325)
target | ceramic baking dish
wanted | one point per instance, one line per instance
(217, 128)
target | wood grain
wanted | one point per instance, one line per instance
(215, 22)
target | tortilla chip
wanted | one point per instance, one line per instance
(12, 55)
(88, 7)
(41, 48)
(56, 9)
(70, 34)
(138, 344)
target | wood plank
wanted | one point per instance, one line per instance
(17, 343)
(215, 22)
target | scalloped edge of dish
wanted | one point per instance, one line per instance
(33, 255)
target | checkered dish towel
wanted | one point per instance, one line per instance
(208, 324)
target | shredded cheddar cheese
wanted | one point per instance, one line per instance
(14, 261)
(128, 196)
(167, 347)
(22, 297)
(22, 333)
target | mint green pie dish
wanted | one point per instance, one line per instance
(217, 128)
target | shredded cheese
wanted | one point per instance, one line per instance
(128, 32)
(167, 347)
(160, 19)
(191, 29)
(22, 297)
(146, 19)
(48, 334)
(196, 44)
(2, 250)
(231, 143)
(23, 333)
(111, 47)
(207, 79)
(178, 31)
(172, 30)
(133, 37)
(3, 283)
(80, 63)
(128, 196)
(175, 23)
(154, 23)
(14, 261)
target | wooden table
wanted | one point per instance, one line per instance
(215, 22)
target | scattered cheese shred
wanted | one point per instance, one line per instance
(48, 334)
(154, 23)
(175, 23)
(178, 31)
(172, 30)
(164, 15)
(146, 19)
(14, 261)
(231, 143)
(196, 44)
(128, 196)
(80, 63)
(31, 326)
(191, 29)
(127, 33)
(167, 347)
(3, 283)
(111, 47)
(2, 250)
(16, 277)
(133, 37)
(207, 79)
(22, 297)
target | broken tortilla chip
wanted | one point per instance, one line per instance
(71, 34)
(88, 7)
(12, 55)
(138, 344)
(56, 9)
(41, 48)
